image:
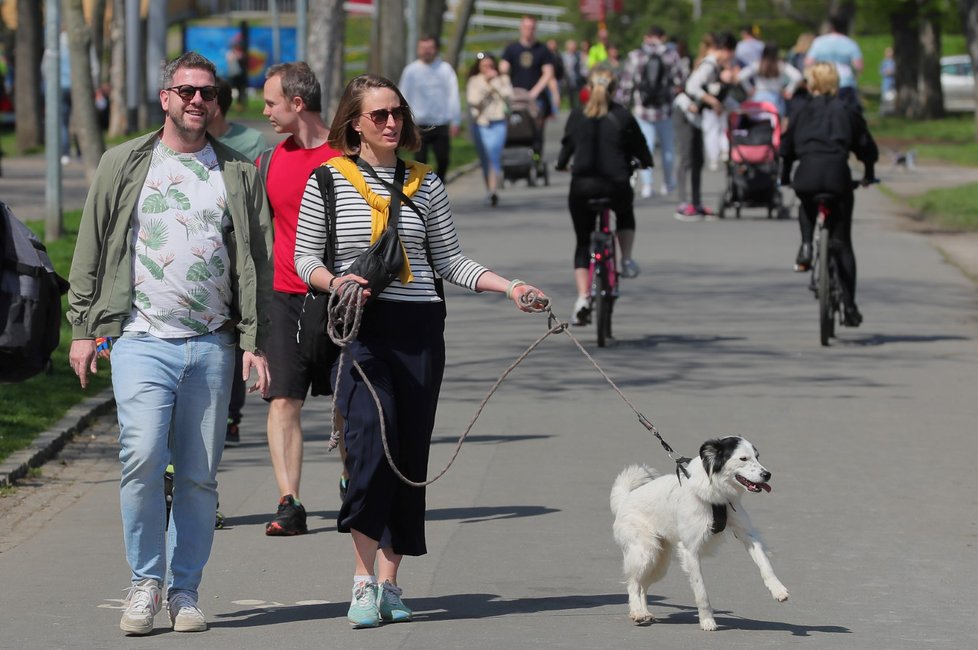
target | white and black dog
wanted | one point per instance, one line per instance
(655, 515)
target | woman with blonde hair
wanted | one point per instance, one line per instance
(820, 136)
(603, 138)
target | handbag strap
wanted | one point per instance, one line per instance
(324, 177)
(395, 189)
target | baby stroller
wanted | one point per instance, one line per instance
(754, 132)
(523, 152)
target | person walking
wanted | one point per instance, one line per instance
(400, 344)
(183, 221)
(293, 103)
(488, 94)
(835, 47)
(603, 139)
(528, 65)
(250, 143)
(770, 79)
(702, 92)
(650, 79)
(431, 86)
(574, 73)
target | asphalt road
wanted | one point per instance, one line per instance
(871, 523)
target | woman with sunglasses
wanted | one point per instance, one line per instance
(488, 93)
(400, 344)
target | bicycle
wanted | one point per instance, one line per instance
(825, 272)
(602, 270)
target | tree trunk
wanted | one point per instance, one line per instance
(84, 116)
(929, 93)
(118, 112)
(463, 12)
(968, 9)
(388, 54)
(28, 106)
(906, 55)
(432, 18)
(99, 40)
(327, 32)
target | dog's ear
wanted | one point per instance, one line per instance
(715, 453)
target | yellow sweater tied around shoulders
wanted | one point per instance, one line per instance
(379, 205)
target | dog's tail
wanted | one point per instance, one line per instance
(631, 478)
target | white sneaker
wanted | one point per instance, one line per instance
(582, 310)
(629, 268)
(65, 160)
(646, 191)
(185, 616)
(143, 601)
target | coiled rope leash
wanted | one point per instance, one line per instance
(344, 313)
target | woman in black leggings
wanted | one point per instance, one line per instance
(603, 138)
(820, 135)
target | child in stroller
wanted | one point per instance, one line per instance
(523, 152)
(754, 132)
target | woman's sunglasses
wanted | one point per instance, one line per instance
(187, 92)
(381, 115)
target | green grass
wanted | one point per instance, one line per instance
(32, 406)
(950, 208)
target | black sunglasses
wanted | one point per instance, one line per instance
(381, 115)
(187, 92)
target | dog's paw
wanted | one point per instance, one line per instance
(708, 624)
(642, 618)
(780, 594)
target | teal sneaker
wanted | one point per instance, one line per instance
(363, 610)
(392, 608)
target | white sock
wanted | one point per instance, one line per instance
(370, 580)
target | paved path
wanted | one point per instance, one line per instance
(872, 520)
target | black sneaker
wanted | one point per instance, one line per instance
(803, 261)
(233, 437)
(851, 316)
(289, 520)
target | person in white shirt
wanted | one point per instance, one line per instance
(430, 86)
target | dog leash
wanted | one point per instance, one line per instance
(344, 313)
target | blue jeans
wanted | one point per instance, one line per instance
(490, 140)
(663, 129)
(172, 402)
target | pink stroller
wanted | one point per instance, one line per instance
(754, 132)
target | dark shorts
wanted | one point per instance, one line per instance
(291, 371)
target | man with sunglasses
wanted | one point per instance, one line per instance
(293, 106)
(173, 261)
(430, 86)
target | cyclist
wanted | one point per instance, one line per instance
(603, 138)
(820, 135)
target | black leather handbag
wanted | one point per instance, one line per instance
(381, 263)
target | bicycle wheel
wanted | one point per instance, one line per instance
(824, 289)
(603, 302)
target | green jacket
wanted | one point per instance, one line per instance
(101, 295)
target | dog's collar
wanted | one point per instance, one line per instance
(719, 517)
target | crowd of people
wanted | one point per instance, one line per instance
(216, 240)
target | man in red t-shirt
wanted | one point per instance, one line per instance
(292, 106)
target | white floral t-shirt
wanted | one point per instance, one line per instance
(181, 279)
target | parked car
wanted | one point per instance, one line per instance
(957, 84)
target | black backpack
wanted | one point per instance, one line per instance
(30, 302)
(653, 82)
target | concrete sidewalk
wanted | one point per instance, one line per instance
(870, 442)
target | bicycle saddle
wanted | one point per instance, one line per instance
(825, 198)
(599, 204)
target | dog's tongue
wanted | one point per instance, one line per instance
(764, 486)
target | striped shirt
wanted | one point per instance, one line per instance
(353, 219)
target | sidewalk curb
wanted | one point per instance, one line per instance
(80, 416)
(48, 443)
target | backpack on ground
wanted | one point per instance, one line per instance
(30, 301)
(653, 82)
